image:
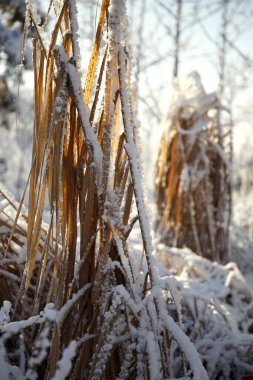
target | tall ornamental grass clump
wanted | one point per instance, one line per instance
(83, 309)
(193, 174)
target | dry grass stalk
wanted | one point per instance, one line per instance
(84, 301)
(192, 179)
(13, 244)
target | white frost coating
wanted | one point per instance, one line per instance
(200, 279)
(185, 178)
(61, 314)
(65, 365)
(123, 258)
(5, 313)
(133, 158)
(117, 18)
(40, 349)
(154, 360)
(172, 283)
(90, 136)
(125, 296)
(175, 330)
(4, 366)
(191, 354)
(58, 316)
(197, 127)
(75, 36)
(49, 313)
(85, 338)
(15, 327)
(114, 20)
(16, 373)
(3, 204)
(33, 11)
(223, 156)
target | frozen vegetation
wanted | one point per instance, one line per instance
(93, 283)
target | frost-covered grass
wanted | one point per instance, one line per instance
(75, 303)
(217, 304)
(193, 178)
(89, 295)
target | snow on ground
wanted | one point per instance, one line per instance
(217, 301)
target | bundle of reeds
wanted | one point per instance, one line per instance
(91, 314)
(193, 175)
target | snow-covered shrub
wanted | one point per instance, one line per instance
(83, 308)
(193, 174)
(217, 312)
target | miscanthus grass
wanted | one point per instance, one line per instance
(193, 174)
(75, 304)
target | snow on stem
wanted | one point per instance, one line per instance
(117, 19)
(5, 368)
(64, 365)
(134, 159)
(62, 313)
(190, 352)
(90, 136)
(75, 36)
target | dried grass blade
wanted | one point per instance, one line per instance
(94, 55)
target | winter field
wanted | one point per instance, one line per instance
(126, 199)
